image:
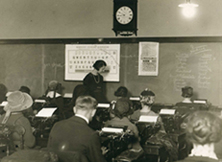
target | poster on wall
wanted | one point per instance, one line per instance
(79, 60)
(148, 59)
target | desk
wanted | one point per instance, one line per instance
(155, 153)
(182, 146)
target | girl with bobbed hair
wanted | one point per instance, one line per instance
(187, 93)
(203, 129)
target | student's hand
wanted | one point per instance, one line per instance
(33, 129)
(104, 150)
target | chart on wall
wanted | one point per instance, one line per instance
(79, 60)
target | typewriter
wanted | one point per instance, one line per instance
(171, 120)
(136, 103)
(101, 116)
(43, 121)
(115, 140)
(147, 127)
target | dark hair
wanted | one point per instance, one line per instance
(25, 89)
(187, 91)
(147, 92)
(79, 90)
(121, 92)
(122, 108)
(86, 102)
(98, 64)
(203, 127)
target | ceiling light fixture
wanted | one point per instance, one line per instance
(188, 9)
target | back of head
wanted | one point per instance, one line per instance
(147, 97)
(98, 64)
(122, 108)
(203, 127)
(187, 92)
(80, 90)
(121, 92)
(24, 89)
(53, 85)
(85, 103)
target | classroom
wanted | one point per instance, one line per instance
(37, 40)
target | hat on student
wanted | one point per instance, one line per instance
(122, 108)
(18, 101)
(121, 92)
(53, 85)
(147, 92)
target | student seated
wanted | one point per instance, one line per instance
(121, 110)
(79, 90)
(147, 99)
(187, 105)
(74, 134)
(54, 98)
(17, 102)
(122, 93)
(203, 129)
(187, 93)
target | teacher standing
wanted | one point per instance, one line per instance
(94, 81)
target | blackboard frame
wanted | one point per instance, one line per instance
(111, 40)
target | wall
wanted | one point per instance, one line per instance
(22, 19)
(180, 64)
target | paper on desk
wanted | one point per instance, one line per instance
(46, 112)
(148, 119)
(134, 98)
(4, 103)
(167, 111)
(112, 130)
(200, 101)
(40, 101)
(67, 95)
(103, 105)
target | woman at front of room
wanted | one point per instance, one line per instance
(94, 81)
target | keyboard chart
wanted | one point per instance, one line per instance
(80, 60)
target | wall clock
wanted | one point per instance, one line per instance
(125, 17)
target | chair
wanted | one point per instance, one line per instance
(11, 139)
(31, 156)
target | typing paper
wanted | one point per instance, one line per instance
(46, 112)
(148, 119)
(112, 130)
(167, 111)
(103, 105)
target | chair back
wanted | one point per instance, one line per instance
(11, 139)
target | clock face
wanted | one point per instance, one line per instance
(124, 15)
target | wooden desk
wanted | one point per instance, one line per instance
(182, 145)
(155, 153)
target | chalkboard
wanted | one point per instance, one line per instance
(181, 64)
(193, 64)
